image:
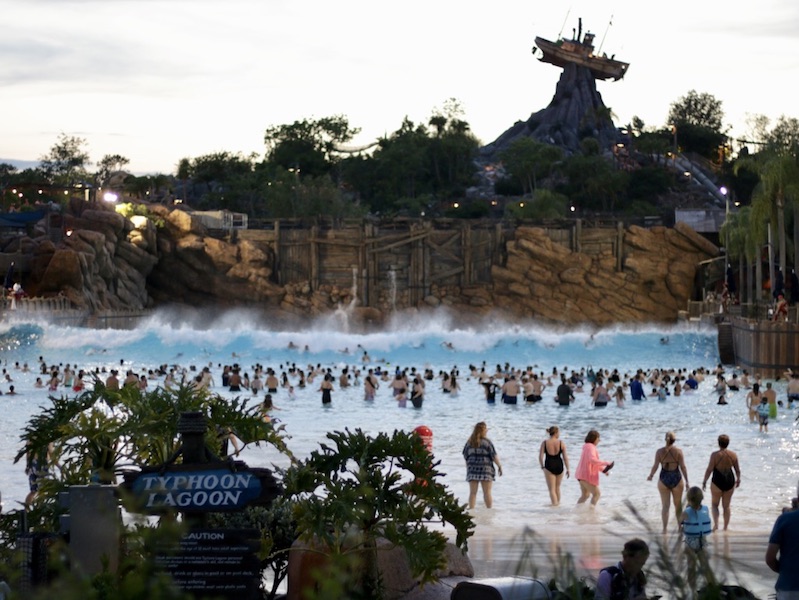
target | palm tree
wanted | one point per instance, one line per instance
(744, 236)
(778, 185)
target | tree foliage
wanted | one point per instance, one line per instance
(528, 160)
(110, 163)
(67, 161)
(386, 486)
(308, 145)
(698, 118)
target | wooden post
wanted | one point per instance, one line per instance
(276, 268)
(466, 255)
(362, 274)
(497, 245)
(578, 232)
(371, 263)
(424, 252)
(619, 246)
(314, 255)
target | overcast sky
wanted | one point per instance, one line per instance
(160, 80)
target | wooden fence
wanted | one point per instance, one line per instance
(394, 263)
(400, 262)
(765, 347)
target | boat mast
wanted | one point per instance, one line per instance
(560, 34)
(599, 52)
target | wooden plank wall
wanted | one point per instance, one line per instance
(765, 347)
(398, 262)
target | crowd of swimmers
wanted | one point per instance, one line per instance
(500, 384)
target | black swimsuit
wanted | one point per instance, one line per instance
(671, 479)
(724, 480)
(553, 462)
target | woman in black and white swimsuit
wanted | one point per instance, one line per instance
(552, 457)
(673, 478)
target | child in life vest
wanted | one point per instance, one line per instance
(696, 526)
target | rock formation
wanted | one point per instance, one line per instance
(546, 281)
(110, 262)
(575, 112)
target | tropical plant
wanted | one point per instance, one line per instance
(360, 488)
(277, 528)
(778, 187)
(100, 433)
(528, 160)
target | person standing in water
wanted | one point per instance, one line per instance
(326, 387)
(481, 456)
(673, 478)
(553, 459)
(753, 401)
(771, 397)
(589, 467)
(726, 477)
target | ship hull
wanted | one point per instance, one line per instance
(601, 67)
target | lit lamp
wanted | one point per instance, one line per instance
(110, 197)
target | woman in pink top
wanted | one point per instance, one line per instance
(589, 467)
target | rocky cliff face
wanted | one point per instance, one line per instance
(546, 281)
(575, 112)
(110, 262)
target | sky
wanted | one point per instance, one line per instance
(160, 80)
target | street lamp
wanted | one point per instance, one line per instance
(723, 191)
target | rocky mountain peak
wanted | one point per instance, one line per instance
(575, 112)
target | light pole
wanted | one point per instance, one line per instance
(723, 191)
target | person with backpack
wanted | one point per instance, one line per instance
(626, 580)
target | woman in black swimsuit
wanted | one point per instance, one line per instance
(726, 476)
(553, 459)
(673, 478)
(326, 387)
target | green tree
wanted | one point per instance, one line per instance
(527, 159)
(784, 136)
(452, 149)
(544, 204)
(698, 118)
(778, 186)
(308, 145)
(594, 184)
(743, 234)
(397, 169)
(110, 163)
(67, 161)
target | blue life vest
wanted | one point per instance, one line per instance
(697, 522)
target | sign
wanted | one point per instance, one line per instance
(211, 487)
(221, 563)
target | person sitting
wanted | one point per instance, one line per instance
(625, 580)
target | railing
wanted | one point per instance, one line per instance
(757, 311)
(37, 305)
